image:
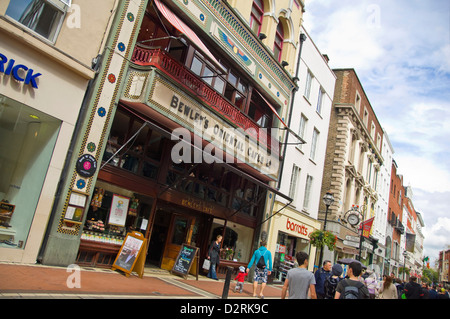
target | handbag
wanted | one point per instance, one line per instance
(206, 264)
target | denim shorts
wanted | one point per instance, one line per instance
(261, 275)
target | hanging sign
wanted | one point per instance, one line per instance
(367, 227)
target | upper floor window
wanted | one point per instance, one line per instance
(302, 129)
(228, 84)
(314, 142)
(41, 16)
(278, 44)
(256, 16)
(320, 100)
(308, 83)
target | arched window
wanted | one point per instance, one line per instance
(256, 16)
(278, 44)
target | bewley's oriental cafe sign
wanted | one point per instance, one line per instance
(191, 115)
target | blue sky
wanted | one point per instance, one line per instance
(401, 52)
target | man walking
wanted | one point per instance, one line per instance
(299, 280)
(321, 276)
(352, 288)
(263, 267)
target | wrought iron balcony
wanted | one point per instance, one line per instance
(160, 59)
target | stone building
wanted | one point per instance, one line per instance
(352, 166)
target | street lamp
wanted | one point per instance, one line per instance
(328, 200)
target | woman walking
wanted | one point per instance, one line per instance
(214, 257)
(388, 289)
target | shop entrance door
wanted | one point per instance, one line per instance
(180, 232)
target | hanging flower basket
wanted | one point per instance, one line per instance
(320, 238)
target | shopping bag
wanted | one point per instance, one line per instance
(206, 264)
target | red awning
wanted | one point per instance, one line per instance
(185, 30)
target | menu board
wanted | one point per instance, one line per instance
(185, 259)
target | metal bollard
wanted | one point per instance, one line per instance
(226, 285)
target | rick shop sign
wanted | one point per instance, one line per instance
(19, 72)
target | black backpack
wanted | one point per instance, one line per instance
(351, 292)
(261, 263)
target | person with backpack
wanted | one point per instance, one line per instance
(412, 289)
(321, 276)
(332, 281)
(352, 287)
(263, 267)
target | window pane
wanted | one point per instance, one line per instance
(232, 79)
(208, 75)
(219, 84)
(196, 66)
(37, 15)
(239, 101)
(27, 140)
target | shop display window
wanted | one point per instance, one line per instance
(27, 140)
(286, 248)
(113, 212)
(237, 240)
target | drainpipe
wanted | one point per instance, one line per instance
(302, 39)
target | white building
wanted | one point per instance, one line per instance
(302, 173)
(379, 228)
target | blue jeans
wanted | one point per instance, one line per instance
(212, 271)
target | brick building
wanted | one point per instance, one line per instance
(395, 227)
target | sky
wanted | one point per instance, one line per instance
(400, 51)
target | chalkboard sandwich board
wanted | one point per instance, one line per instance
(185, 259)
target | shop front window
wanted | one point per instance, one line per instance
(237, 240)
(287, 247)
(27, 140)
(115, 211)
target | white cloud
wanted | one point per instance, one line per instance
(437, 237)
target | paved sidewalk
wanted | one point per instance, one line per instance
(39, 281)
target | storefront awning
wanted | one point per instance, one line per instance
(187, 32)
(130, 107)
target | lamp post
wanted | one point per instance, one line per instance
(328, 200)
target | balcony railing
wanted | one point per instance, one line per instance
(172, 68)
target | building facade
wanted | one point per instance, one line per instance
(303, 163)
(46, 58)
(352, 166)
(395, 230)
(380, 223)
(179, 128)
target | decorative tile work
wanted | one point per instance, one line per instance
(105, 99)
